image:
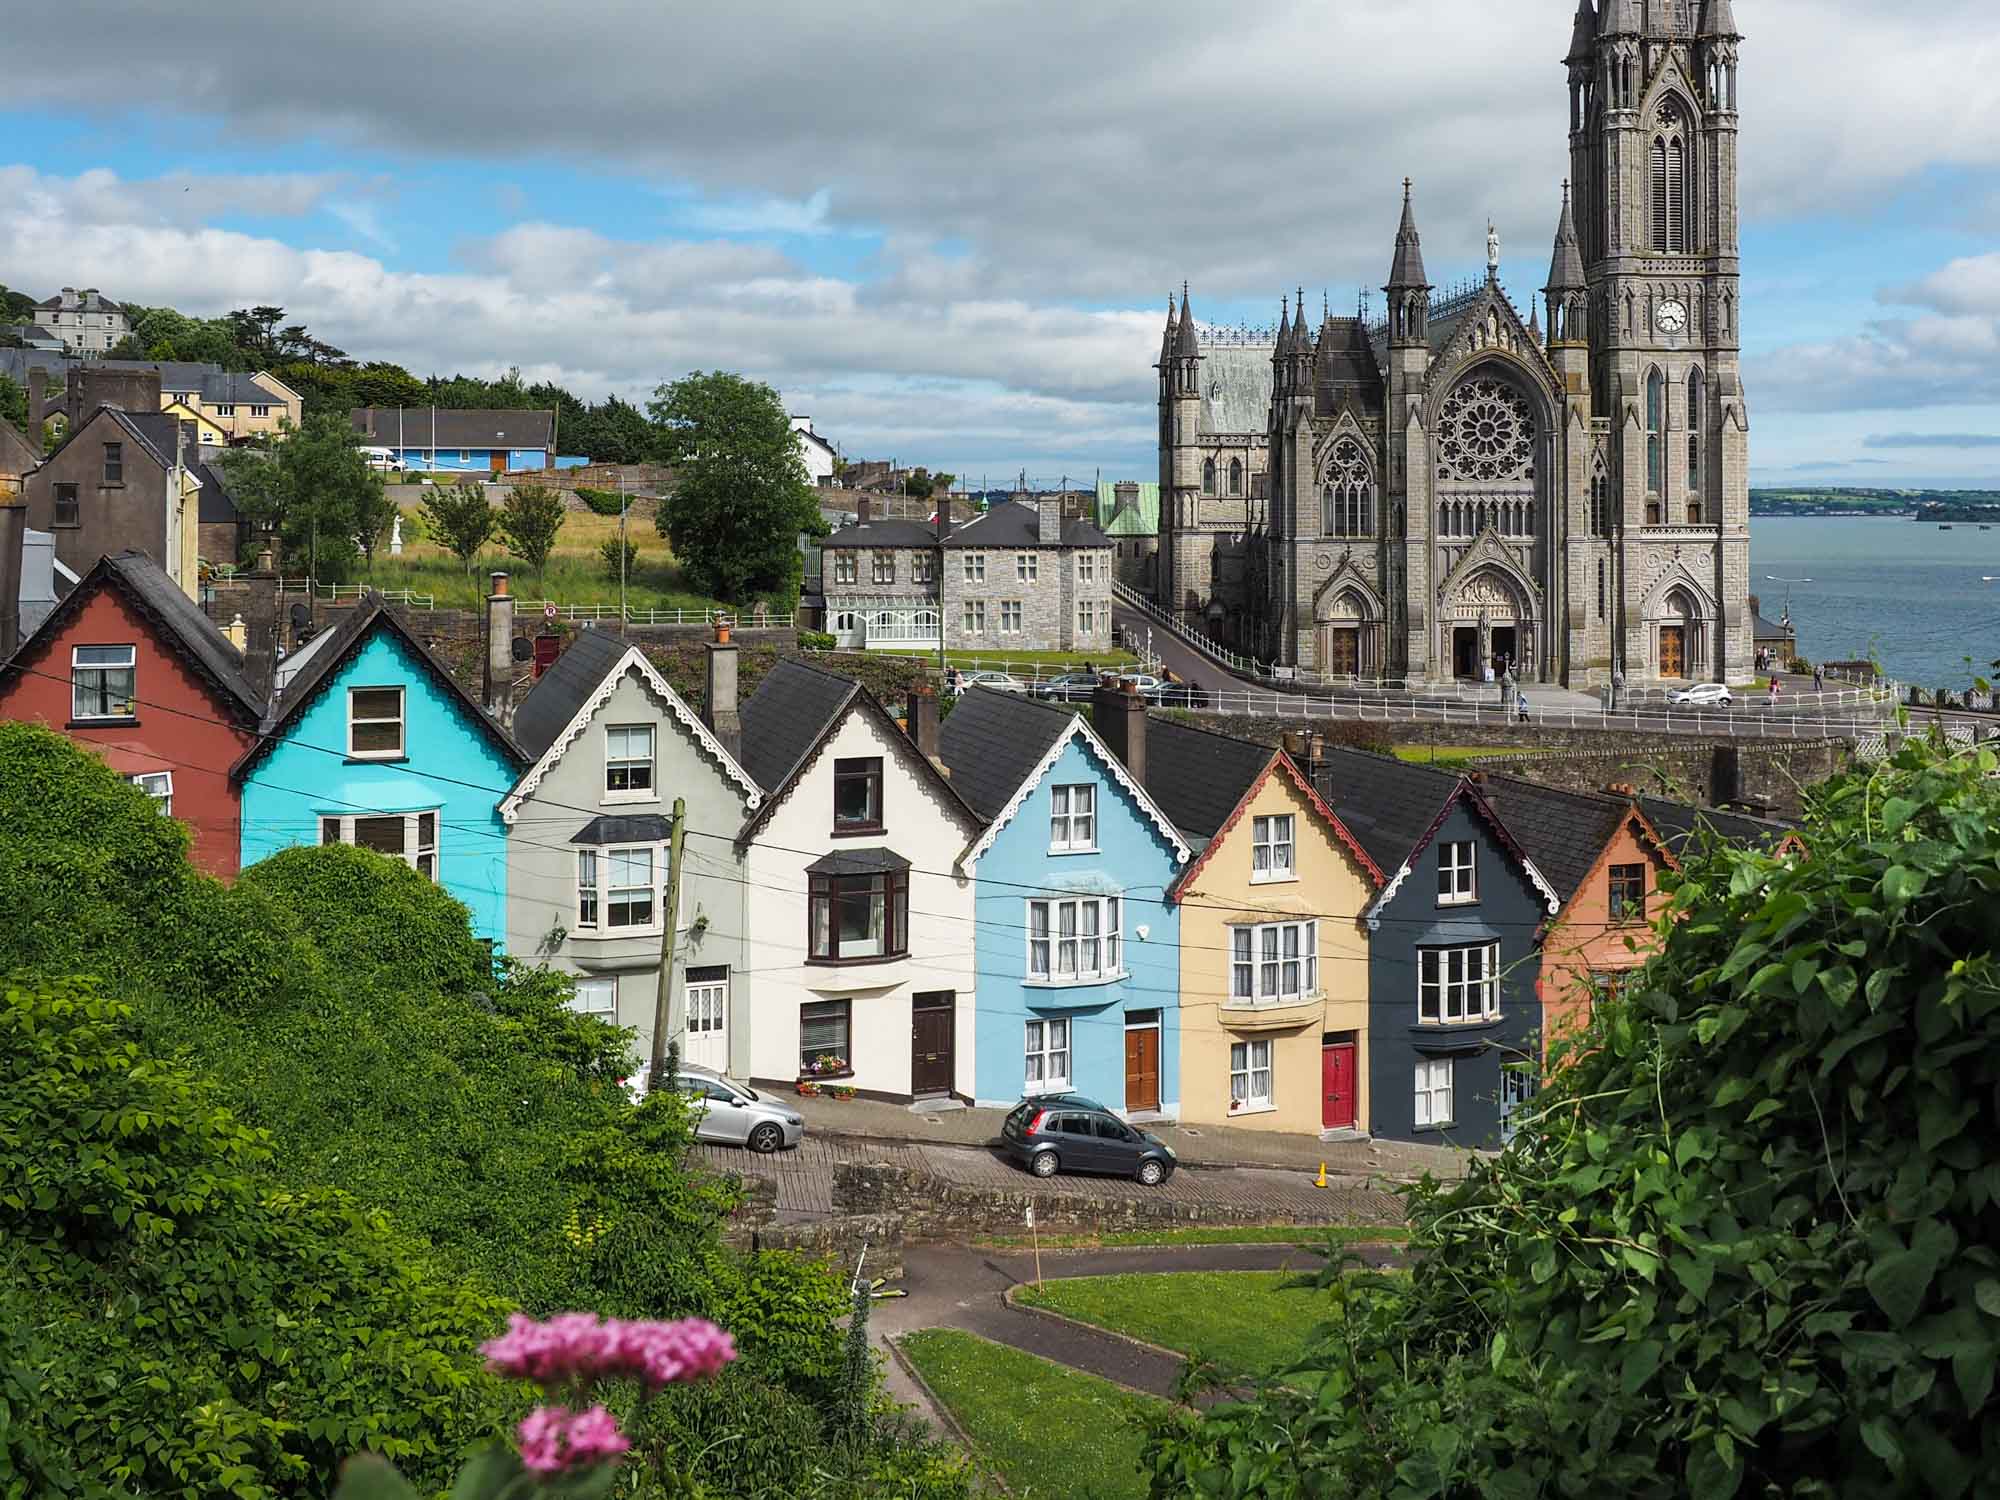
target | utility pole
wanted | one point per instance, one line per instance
(670, 920)
(624, 504)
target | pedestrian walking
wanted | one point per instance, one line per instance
(1771, 698)
(1819, 678)
(1521, 706)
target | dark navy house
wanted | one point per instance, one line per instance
(1453, 954)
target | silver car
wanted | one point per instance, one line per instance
(734, 1113)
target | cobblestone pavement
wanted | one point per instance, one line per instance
(804, 1178)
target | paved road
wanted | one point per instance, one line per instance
(804, 1178)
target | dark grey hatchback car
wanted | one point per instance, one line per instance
(1069, 1133)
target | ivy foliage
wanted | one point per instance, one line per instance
(1748, 1244)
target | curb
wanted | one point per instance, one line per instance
(1347, 1179)
(943, 1412)
(1182, 1361)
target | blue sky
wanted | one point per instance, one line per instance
(949, 234)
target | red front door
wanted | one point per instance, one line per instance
(1336, 1067)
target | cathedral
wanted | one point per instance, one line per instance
(1453, 487)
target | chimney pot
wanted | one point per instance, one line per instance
(238, 632)
(499, 585)
(1118, 714)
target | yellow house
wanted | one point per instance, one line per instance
(209, 434)
(1274, 954)
(231, 405)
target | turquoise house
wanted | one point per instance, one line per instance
(371, 742)
(1077, 944)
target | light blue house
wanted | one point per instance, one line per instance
(445, 441)
(1078, 946)
(371, 742)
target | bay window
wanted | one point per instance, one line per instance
(1075, 940)
(618, 889)
(860, 915)
(1458, 986)
(410, 837)
(1273, 962)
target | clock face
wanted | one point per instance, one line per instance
(1672, 317)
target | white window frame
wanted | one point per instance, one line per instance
(1432, 1101)
(1086, 567)
(1273, 963)
(225, 409)
(707, 1008)
(1244, 1065)
(1045, 1040)
(418, 855)
(260, 411)
(1073, 819)
(1274, 849)
(1444, 988)
(975, 567)
(923, 567)
(401, 721)
(159, 785)
(846, 567)
(1027, 567)
(591, 999)
(881, 566)
(973, 619)
(1086, 617)
(612, 763)
(1075, 940)
(595, 872)
(1458, 879)
(1011, 612)
(78, 667)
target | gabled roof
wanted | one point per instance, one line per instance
(1016, 523)
(412, 427)
(147, 429)
(884, 533)
(1281, 764)
(1198, 777)
(1141, 518)
(999, 746)
(794, 712)
(1680, 822)
(175, 618)
(1564, 832)
(216, 507)
(560, 707)
(344, 641)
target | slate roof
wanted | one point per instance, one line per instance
(565, 688)
(884, 533)
(858, 862)
(1346, 361)
(644, 828)
(1387, 804)
(992, 740)
(217, 509)
(17, 454)
(412, 427)
(1762, 629)
(179, 620)
(335, 651)
(1197, 777)
(158, 428)
(1236, 381)
(1017, 524)
(1562, 831)
(1679, 821)
(1139, 519)
(786, 717)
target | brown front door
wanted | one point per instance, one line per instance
(1336, 1066)
(1673, 650)
(1142, 1068)
(1343, 652)
(932, 1028)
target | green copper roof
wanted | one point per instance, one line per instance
(1140, 520)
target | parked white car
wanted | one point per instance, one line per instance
(1000, 682)
(1702, 695)
(727, 1111)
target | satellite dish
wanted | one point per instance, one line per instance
(524, 649)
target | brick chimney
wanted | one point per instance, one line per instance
(1049, 514)
(499, 682)
(38, 404)
(719, 710)
(1118, 714)
(13, 534)
(922, 715)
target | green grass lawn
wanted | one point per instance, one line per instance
(1050, 1432)
(1242, 1321)
(1445, 755)
(1218, 1234)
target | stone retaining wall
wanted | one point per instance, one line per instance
(837, 1241)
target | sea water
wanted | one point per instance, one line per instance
(1920, 601)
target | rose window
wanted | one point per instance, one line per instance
(1486, 433)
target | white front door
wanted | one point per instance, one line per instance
(707, 1042)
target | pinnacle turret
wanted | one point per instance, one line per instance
(1186, 346)
(1718, 19)
(1407, 270)
(1584, 37)
(1622, 18)
(1566, 265)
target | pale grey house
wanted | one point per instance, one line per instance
(612, 746)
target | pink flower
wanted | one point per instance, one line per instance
(553, 1439)
(582, 1347)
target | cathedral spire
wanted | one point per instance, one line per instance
(1566, 265)
(1407, 270)
(1167, 338)
(1718, 19)
(1185, 344)
(1584, 37)
(1284, 328)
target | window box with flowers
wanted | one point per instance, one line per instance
(818, 1077)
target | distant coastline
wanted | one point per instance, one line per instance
(1911, 504)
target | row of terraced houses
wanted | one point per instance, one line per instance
(1017, 898)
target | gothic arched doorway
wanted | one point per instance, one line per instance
(1348, 637)
(1488, 623)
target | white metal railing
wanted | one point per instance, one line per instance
(1243, 665)
(1028, 672)
(1711, 723)
(335, 592)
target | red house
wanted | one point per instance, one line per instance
(129, 665)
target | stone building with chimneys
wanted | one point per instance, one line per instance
(1454, 486)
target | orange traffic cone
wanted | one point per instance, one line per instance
(1320, 1181)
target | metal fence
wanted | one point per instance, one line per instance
(1713, 723)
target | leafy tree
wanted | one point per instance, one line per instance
(13, 403)
(15, 307)
(460, 518)
(620, 557)
(742, 497)
(530, 517)
(1745, 1243)
(317, 489)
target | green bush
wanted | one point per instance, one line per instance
(1748, 1241)
(603, 502)
(817, 640)
(610, 553)
(171, 1324)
